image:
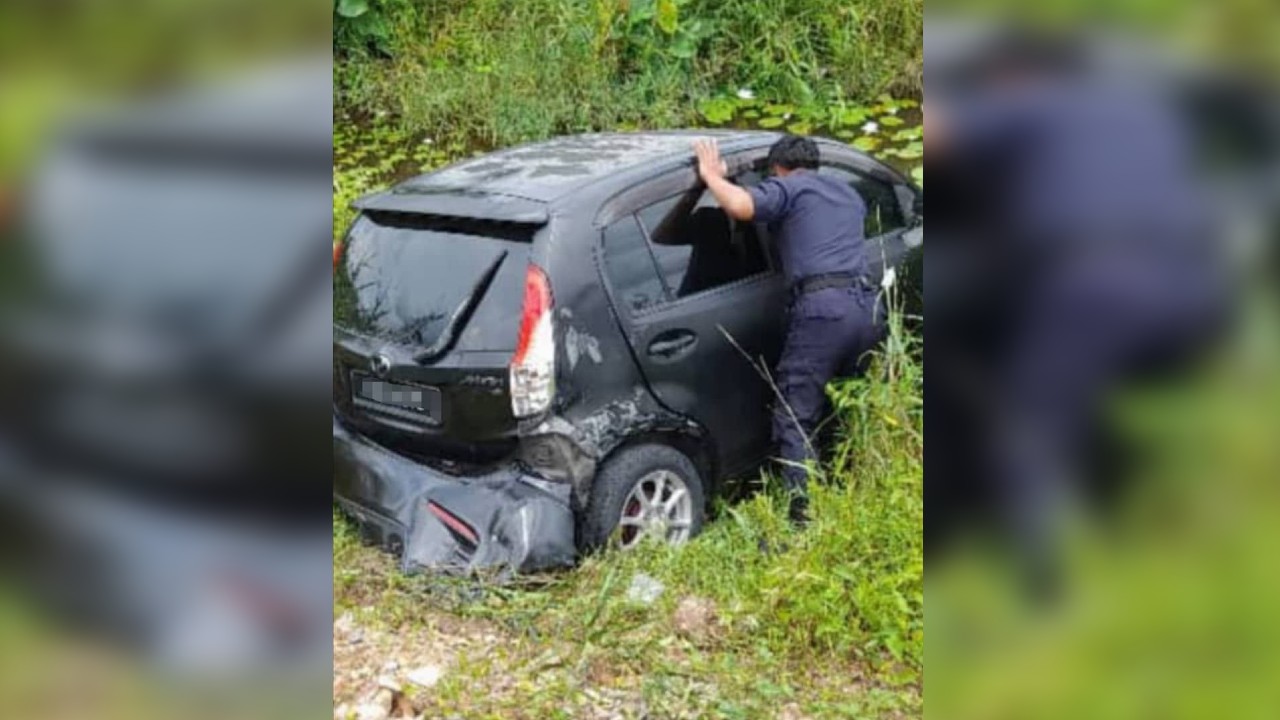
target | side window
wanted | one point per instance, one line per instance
(667, 224)
(677, 247)
(884, 214)
(696, 245)
(630, 267)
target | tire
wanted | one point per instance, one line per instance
(621, 475)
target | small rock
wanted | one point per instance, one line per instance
(425, 676)
(345, 623)
(355, 637)
(378, 707)
(644, 589)
(389, 683)
(369, 711)
(695, 617)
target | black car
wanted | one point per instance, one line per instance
(578, 314)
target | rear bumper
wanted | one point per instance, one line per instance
(504, 520)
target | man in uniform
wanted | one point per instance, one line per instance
(834, 314)
(1098, 210)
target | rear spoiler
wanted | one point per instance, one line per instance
(453, 202)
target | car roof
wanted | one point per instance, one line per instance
(546, 171)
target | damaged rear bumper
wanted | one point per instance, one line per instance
(506, 520)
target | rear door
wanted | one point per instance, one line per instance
(703, 305)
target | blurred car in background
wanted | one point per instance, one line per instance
(163, 373)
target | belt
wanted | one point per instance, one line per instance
(824, 281)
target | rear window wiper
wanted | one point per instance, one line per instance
(461, 314)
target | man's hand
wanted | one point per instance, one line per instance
(710, 164)
(712, 169)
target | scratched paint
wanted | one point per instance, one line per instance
(578, 344)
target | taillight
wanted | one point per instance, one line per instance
(337, 254)
(533, 364)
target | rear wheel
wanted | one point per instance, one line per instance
(644, 491)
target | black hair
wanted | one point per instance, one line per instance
(793, 151)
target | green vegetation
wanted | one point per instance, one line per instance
(1170, 606)
(497, 72)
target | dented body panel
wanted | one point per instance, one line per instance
(503, 520)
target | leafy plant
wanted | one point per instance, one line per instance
(364, 26)
(495, 72)
(650, 31)
(718, 111)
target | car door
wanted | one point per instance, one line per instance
(702, 304)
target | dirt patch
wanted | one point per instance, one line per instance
(397, 669)
(695, 619)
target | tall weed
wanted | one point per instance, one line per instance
(496, 72)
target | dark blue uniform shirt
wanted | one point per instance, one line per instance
(816, 221)
(1085, 160)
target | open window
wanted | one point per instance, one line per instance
(681, 246)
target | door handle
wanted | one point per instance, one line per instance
(672, 344)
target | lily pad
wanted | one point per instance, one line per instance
(867, 143)
(914, 151)
(891, 121)
(850, 116)
(909, 134)
(771, 122)
(717, 111)
(800, 128)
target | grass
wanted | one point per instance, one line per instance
(498, 72)
(1170, 606)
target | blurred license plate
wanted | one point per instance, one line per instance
(423, 399)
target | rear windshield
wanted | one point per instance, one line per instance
(403, 277)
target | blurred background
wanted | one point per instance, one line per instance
(1104, 390)
(165, 184)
